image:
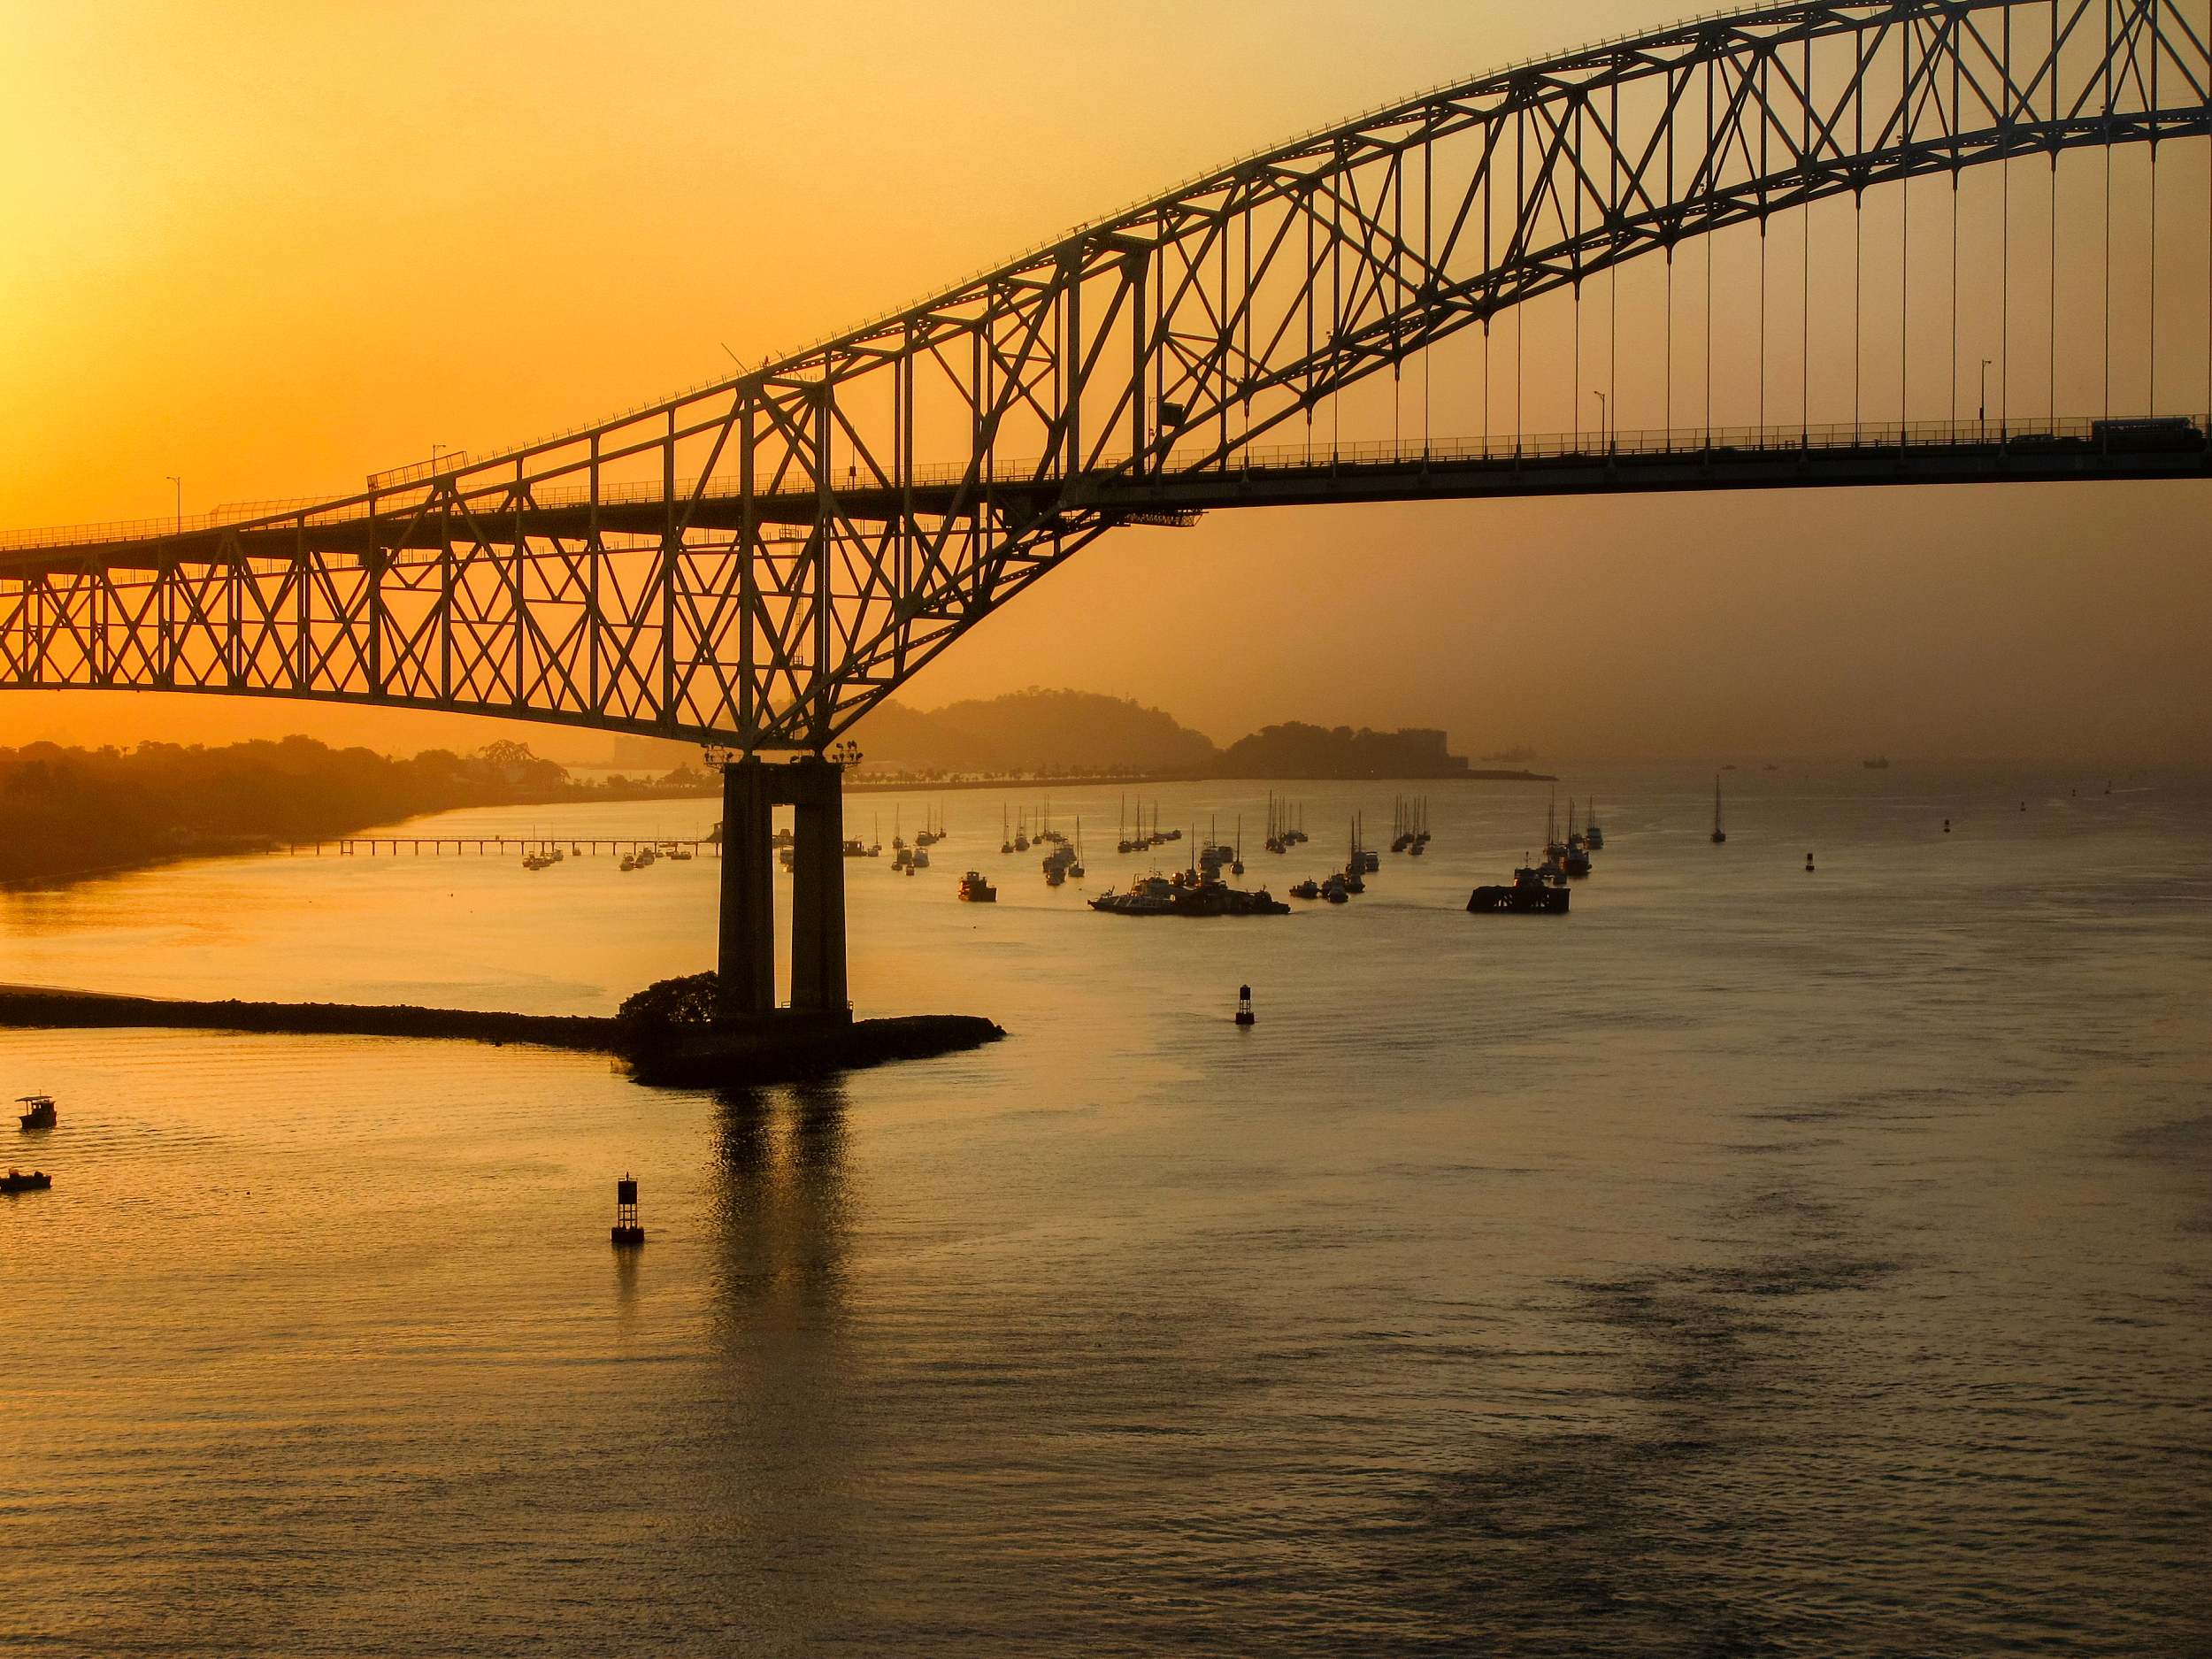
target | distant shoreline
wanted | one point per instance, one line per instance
(1181, 778)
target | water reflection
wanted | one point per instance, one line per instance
(777, 1196)
(785, 1460)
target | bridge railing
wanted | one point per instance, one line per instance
(1827, 438)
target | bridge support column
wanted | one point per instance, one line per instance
(746, 962)
(817, 887)
(745, 965)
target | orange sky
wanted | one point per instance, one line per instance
(270, 247)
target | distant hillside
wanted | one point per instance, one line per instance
(1292, 750)
(1033, 731)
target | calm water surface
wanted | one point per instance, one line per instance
(1750, 1262)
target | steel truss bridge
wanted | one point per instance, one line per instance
(757, 563)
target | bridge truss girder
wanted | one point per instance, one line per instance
(760, 562)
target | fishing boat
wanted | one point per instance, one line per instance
(976, 890)
(17, 1181)
(1307, 889)
(1528, 894)
(1719, 834)
(40, 1112)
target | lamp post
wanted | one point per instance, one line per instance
(1602, 416)
(179, 484)
(1982, 416)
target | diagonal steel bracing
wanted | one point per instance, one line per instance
(759, 562)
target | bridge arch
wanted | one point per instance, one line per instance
(758, 561)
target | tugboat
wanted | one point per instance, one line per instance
(1530, 895)
(1719, 834)
(41, 1115)
(976, 890)
(17, 1181)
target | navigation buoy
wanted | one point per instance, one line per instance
(1244, 1005)
(1809, 862)
(627, 1230)
(1947, 827)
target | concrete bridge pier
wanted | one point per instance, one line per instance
(746, 962)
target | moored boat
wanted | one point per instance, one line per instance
(976, 890)
(1156, 895)
(1530, 894)
(17, 1181)
(40, 1114)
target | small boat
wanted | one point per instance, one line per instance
(1154, 896)
(1719, 834)
(976, 890)
(17, 1181)
(682, 855)
(628, 862)
(41, 1115)
(1879, 764)
(1576, 860)
(1530, 895)
(1592, 837)
(1307, 889)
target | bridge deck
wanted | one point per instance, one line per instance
(1568, 464)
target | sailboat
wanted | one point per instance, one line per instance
(1576, 860)
(1719, 834)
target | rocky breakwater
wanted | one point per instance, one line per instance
(665, 1032)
